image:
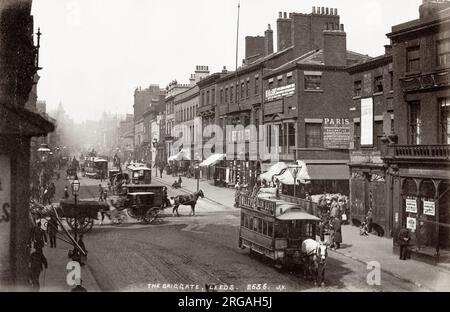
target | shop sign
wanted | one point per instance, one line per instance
(280, 92)
(411, 205)
(5, 213)
(336, 133)
(411, 224)
(429, 208)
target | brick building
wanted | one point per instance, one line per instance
(419, 159)
(371, 116)
(126, 138)
(143, 101)
(305, 100)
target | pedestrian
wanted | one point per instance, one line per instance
(66, 193)
(337, 233)
(52, 192)
(237, 194)
(308, 197)
(322, 231)
(52, 230)
(166, 201)
(79, 287)
(38, 236)
(161, 169)
(83, 247)
(369, 221)
(101, 192)
(334, 213)
(38, 263)
(403, 240)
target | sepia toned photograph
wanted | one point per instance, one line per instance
(224, 146)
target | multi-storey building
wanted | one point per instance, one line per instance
(170, 137)
(126, 138)
(372, 119)
(143, 100)
(305, 103)
(419, 158)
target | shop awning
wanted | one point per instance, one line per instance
(212, 160)
(285, 173)
(321, 172)
(183, 155)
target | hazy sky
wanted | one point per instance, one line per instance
(94, 53)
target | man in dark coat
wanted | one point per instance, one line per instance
(337, 233)
(37, 263)
(52, 230)
(404, 238)
(38, 236)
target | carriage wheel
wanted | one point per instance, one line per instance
(121, 218)
(131, 214)
(151, 216)
(83, 225)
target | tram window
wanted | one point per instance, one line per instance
(260, 226)
(270, 229)
(280, 230)
(309, 230)
(265, 225)
(243, 217)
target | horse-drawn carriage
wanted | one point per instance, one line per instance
(80, 216)
(283, 232)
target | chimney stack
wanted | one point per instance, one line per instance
(284, 32)
(268, 41)
(388, 49)
(335, 47)
(313, 10)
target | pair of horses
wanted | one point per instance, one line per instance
(314, 261)
(186, 200)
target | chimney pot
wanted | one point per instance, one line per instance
(327, 10)
(336, 11)
(285, 14)
(290, 15)
(280, 15)
(314, 10)
(342, 27)
(323, 10)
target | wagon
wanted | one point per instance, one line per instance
(80, 216)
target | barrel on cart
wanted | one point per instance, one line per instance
(81, 215)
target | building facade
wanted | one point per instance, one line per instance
(418, 158)
(372, 120)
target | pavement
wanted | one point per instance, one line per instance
(54, 279)
(359, 248)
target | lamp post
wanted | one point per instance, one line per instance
(75, 191)
(43, 153)
(197, 170)
(295, 170)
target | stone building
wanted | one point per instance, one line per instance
(418, 159)
(372, 120)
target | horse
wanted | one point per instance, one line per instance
(186, 200)
(315, 259)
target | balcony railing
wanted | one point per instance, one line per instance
(426, 81)
(439, 152)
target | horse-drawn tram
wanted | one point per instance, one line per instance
(277, 230)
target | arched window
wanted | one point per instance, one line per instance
(409, 188)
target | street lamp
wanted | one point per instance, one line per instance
(75, 191)
(295, 169)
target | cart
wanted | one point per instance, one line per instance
(80, 216)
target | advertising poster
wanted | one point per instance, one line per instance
(411, 205)
(429, 208)
(411, 224)
(336, 133)
(5, 213)
(367, 122)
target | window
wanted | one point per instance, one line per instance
(280, 81)
(291, 136)
(247, 89)
(226, 95)
(444, 105)
(413, 59)
(231, 94)
(357, 88)
(378, 133)
(443, 52)
(313, 82)
(207, 97)
(242, 90)
(213, 96)
(271, 84)
(414, 123)
(314, 136)
(221, 97)
(270, 229)
(256, 85)
(378, 84)
(203, 99)
(391, 81)
(290, 79)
